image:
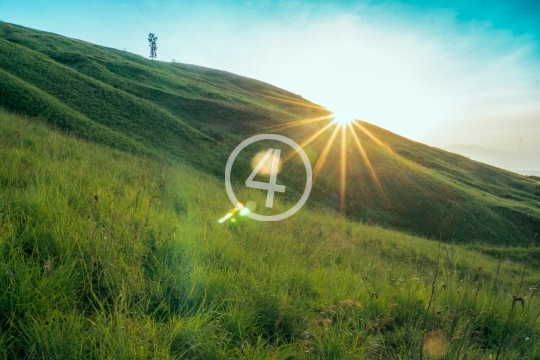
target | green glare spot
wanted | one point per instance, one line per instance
(233, 220)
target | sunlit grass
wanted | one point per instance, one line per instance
(109, 255)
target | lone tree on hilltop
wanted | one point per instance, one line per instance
(152, 39)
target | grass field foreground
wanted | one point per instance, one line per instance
(104, 254)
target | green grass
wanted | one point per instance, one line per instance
(188, 114)
(441, 195)
(107, 254)
(172, 108)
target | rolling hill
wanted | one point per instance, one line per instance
(171, 111)
(110, 193)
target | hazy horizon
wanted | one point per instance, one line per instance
(518, 161)
(442, 75)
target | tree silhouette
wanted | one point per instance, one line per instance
(152, 39)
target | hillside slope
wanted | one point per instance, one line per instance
(105, 254)
(431, 192)
(123, 100)
(197, 116)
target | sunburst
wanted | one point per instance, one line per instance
(343, 124)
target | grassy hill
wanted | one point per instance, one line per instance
(106, 254)
(437, 194)
(171, 111)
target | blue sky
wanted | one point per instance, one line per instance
(441, 73)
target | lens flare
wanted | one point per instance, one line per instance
(239, 209)
(264, 162)
(231, 213)
(225, 218)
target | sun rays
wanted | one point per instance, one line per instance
(364, 156)
(296, 123)
(324, 154)
(343, 173)
(343, 128)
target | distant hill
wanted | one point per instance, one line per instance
(521, 162)
(186, 113)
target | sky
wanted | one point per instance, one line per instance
(442, 73)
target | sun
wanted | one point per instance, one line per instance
(343, 117)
